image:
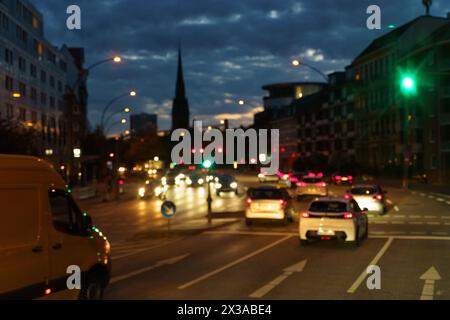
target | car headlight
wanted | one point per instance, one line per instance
(285, 177)
(233, 185)
(158, 191)
(218, 186)
(141, 192)
(260, 175)
(200, 181)
(164, 181)
(188, 181)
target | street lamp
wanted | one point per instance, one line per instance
(296, 63)
(77, 153)
(16, 95)
(110, 103)
(125, 110)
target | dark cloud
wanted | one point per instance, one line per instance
(231, 48)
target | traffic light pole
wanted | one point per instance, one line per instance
(407, 154)
(209, 203)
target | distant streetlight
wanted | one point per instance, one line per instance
(77, 153)
(123, 121)
(117, 59)
(110, 103)
(241, 102)
(156, 159)
(111, 155)
(48, 152)
(296, 63)
(16, 95)
(126, 110)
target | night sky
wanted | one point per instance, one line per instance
(230, 47)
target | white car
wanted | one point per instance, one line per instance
(334, 218)
(371, 197)
(269, 203)
(311, 186)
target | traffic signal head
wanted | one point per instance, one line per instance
(207, 164)
(408, 85)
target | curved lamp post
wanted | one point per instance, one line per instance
(110, 103)
(298, 63)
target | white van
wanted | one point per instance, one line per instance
(44, 235)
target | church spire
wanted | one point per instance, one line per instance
(180, 106)
(180, 91)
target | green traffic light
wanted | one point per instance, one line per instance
(207, 164)
(408, 85)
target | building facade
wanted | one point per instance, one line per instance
(35, 77)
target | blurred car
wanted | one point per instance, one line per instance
(264, 177)
(334, 218)
(171, 179)
(371, 197)
(152, 189)
(195, 180)
(226, 183)
(342, 178)
(269, 203)
(311, 186)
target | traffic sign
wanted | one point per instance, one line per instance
(168, 209)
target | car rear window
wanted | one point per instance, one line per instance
(226, 179)
(363, 191)
(328, 206)
(311, 180)
(266, 194)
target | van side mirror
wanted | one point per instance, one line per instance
(86, 222)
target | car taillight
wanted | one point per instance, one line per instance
(305, 215)
(301, 184)
(348, 196)
(121, 182)
(320, 175)
(249, 201)
(283, 202)
(338, 178)
(348, 216)
(378, 197)
(321, 184)
(350, 178)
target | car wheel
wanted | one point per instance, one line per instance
(93, 288)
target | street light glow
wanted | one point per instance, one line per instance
(241, 102)
(126, 110)
(133, 94)
(123, 121)
(296, 63)
(16, 95)
(117, 59)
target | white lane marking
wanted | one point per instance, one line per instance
(423, 194)
(416, 223)
(415, 217)
(413, 237)
(232, 264)
(377, 232)
(430, 277)
(297, 268)
(430, 217)
(448, 202)
(397, 222)
(433, 223)
(389, 201)
(448, 218)
(375, 260)
(418, 233)
(440, 199)
(439, 233)
(117, 255)
(447, 223)
(396, 208)
(143, 270)
(379, 222)
(399, 216)
(252, 233)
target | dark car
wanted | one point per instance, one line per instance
(342, 178)
(226, 183)
(171, 178)
(195, 180)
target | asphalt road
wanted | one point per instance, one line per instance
(410, 245)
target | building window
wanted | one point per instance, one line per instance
(34, 117)
(9, 111)
(4, 21)
(9, 56)
(39, 48)
(52, 102)
(22, 64)
(52, 81)
(33, 94)
(9, 83)
(63, 65)
(33, 70)
(21, 34)
(59, 86)
(51, 57)
(43, 76)
(23, 89)
(43, 99)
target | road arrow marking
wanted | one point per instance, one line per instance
(159, 264)
(430, 277)
(296, 268)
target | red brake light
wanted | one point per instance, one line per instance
(305, 215)
(348, 196)
(348, 216)
(121, 182)
(378, 197)
(320, 175)
(301, 184)
(249, 201)
(338, 177)
(283, 203)
(321, 184)
(350, 178)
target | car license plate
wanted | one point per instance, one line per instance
(325, 232)
(344, 179)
